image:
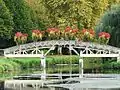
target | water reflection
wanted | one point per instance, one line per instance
(58, 69)
(30, 88)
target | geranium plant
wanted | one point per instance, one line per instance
(67, 32)
(104, 37)
(74, 33)
(20, 38)
(88, 34)
(70, 33)
(53, 33)
(36, 35)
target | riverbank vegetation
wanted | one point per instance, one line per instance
(8, 65)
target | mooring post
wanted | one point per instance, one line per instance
(81, 66)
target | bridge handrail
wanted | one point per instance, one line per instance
(60, 43)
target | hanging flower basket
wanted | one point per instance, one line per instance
(103, 37)
(53, 33)
(70, 33)
(88, 35)
(36, 35)
(20, 38)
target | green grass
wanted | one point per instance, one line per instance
(18, 64)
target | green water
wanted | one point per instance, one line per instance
(64, 69)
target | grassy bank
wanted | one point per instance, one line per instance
(17, 64)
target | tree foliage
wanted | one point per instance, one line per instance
(110, 22)
(21, 15)
(37, 13)
(83, 12)
(6, 22)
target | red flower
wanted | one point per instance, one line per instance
(36, 32)
(18, 34)
(36, 35)
(84, 31)
(74, 30)
(68, 29)
(42, 32)
(20, 38)
(92, 32)
(107, 35)
(104, 35)
(52, 30)
(25, 35)
(101, 34)
(56, 30)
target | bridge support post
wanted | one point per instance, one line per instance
(43, 64)
(118, 58)
(81, 67)
(60, 50)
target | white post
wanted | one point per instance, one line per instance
(43, 64)
(118, 58)
(81, 67)
(52, 88)
(60, 50)
(43, 60)
(70, 51)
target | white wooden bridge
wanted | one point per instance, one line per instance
(84, 49)
(36, 49)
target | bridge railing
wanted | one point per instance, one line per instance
(48, 44)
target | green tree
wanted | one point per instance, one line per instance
(6, 22)
(6, 25)
(37, 13)
(112, 2)
(21, 15)
(110, 22)
(83, 13)
(70, 12)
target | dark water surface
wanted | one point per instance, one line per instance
(64, 69)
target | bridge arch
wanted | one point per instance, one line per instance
(87, 49)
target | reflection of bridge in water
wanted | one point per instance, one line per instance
(88, 82)
(82, 49)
